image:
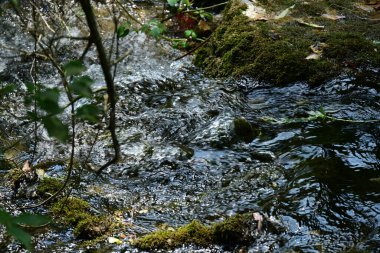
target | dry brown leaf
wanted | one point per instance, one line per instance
(203, 26)
(333, 16)
(122, 236)
(300, 21)
(318, 47)
(26, 168)
(259, 218)
(317, 50)
(365, 7)
(313, 56)
(255, 12)
(285, 12)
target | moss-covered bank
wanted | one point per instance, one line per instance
(275, 50)
(236, 230)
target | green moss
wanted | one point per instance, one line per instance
(71, 210)
(5, 164)
(275, 51)
(14, 175)
(76, 212)
(244, 130)
(193, 233)
(235, 230)
(49, 185)
(92, 227)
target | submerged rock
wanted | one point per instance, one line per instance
(244, 130)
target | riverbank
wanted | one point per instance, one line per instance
(286, 41)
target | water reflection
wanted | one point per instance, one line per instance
(329, 201)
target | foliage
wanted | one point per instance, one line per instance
(13, 225)
(7, 89)
(124, 29)
(154, 28)
(179, 3)
(190, 34)
(47, 101)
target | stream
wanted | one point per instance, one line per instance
(183, 161)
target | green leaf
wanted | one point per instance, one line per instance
(123, 30)
(74, 68)
(190, 34)
(5, 218)
(48, 100)
(31, 219)
(15, 2)
(82, 86)
(7, 89)
(20, 235)
(30, 87)
(32, 115)
(186, 3)
(89, 112)
(154, 28)
(322, 110)
(205, 15)
(56, 128)
(172, 2)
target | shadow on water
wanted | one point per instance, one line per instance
(331, 199)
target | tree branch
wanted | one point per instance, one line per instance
(106, 68)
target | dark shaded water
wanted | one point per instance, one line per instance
(183, 160)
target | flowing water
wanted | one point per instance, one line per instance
(182, 159)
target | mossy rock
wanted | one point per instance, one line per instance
(76, 212)
(275, 51)
(14, 175)
(48, 186)
(71, 210)
(5, 164)
(21, 182)
(193, 233)
(236, 230)
(244, 130)
(92, 227)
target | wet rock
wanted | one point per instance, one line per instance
(219, 133)
(23, 183)
(263, 156)
(236, 230)
(244, 130)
